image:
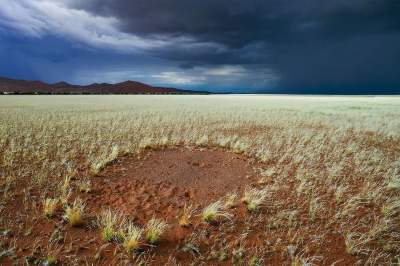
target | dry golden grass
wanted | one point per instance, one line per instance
(49, 207)
(111, 225)
(154, 230)
(185, 218)
(214, 211)
(231, 200)
(254, 198)
(132, 238)
(340, 155)
(74, 214)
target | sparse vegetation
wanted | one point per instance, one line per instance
(49, 207)
(214, 211)
(254, 198)
(154, 230)
(50, 260)
(354, 242)
(74, 214)
(84, 185)
(267, 175)
(230, 200)
(65, 191)
(132, 238)
(394, 183)
(111, 225)
(326, 173)
(186, 216)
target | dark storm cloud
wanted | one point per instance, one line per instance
(238, 22)
(303, 45)
(308, 43)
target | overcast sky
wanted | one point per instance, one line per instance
(310, 46)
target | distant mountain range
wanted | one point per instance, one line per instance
(13, 86)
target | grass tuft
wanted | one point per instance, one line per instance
(110, 223)
(186, 216)
(212, 212)
(202, 141)
(254, 198)
(231, 200)
(74, 214)
(49, 207)
(266, 176)
(154, 229)
(132, 238)
(50, 260)
(394, 183)
(84, 185)
(391, 209)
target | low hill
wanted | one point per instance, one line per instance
(13, 86)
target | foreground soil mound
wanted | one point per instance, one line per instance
(159, 184)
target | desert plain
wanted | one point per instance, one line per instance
(199, 180)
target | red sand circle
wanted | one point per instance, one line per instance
(165, 180)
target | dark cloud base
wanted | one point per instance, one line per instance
(313, 46)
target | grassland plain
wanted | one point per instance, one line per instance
(213, 180)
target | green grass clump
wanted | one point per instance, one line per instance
(154, 229)
(110, 223)
(254, 198)
(214, 211)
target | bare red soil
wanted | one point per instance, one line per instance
(158, 184)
